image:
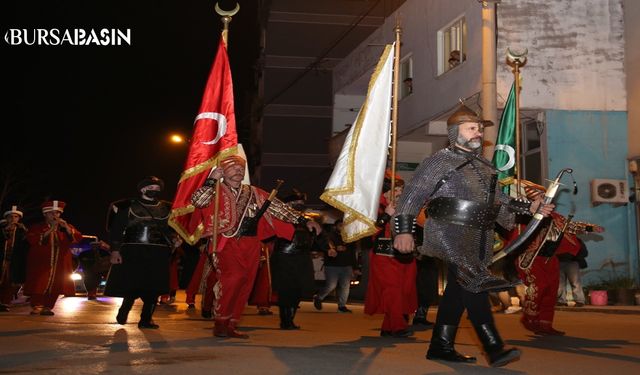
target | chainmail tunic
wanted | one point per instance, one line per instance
(468, 249)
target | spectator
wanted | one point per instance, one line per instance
(456, 59)
(340, 265)
(570, 266)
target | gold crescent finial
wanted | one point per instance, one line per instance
(227, 13)
(517, 58)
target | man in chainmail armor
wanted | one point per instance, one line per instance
(458, 187)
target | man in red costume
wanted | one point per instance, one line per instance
(49, 261)
(392, 278)
(202, 281)
(262, 293)
(539, 268)
(13, 252)
(241, 226)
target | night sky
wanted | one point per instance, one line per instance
(84, 124)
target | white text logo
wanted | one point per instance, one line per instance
(71, 37)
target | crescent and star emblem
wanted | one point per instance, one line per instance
(222, 125)
(512, 157)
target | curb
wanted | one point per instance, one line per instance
(604, 309)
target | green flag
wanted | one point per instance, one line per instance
(504, 156)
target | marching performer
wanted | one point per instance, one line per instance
(458, 187)
(392, 277)
(292, 265)
(539, 268)
(246, 215)
(13, 252)
(141, 244)
(49, 259)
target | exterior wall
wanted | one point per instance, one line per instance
(576, 53)
(345, 111)
(432, 94)
(575, 71)
(632, 68)
(594, 144)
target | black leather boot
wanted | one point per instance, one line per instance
(123, 311)
(145, 316)
(293, 315)
(286, 318)
(420, 318)
(441, 347)
(493, 346)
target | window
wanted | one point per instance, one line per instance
(452, 45)
(406, 77)
(533, 166)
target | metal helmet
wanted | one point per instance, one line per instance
(461, 115)
(150, 180)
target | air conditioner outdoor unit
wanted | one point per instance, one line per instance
(609, 191)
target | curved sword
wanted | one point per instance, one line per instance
(536, 220)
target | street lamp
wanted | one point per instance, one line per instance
(177, 139)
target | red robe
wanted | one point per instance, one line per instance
(543, 277)
(174, 283)
(237, 258)
(203, 269)
(49, 262)
(262, 294)
(194, 284)
(391, 289)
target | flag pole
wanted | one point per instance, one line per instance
(394, 111)
(226, 20)
(516, 61)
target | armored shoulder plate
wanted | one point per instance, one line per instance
(115, 208)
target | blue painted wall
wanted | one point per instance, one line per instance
(594, 144)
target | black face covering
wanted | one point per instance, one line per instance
(152, 193)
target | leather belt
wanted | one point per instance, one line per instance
(463, 212)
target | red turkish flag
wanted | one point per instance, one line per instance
(214, 138)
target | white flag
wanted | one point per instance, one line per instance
(356, 182)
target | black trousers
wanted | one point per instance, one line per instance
(455, 300)
(149, 301)
(427, 281)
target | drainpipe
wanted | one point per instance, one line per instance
(488, 95)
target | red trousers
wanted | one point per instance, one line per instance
(542, 280)
(391, 291)
(44, 300)
(193, 288)
(236, 266)
(194, 284)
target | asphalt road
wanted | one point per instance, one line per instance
(83, 338)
